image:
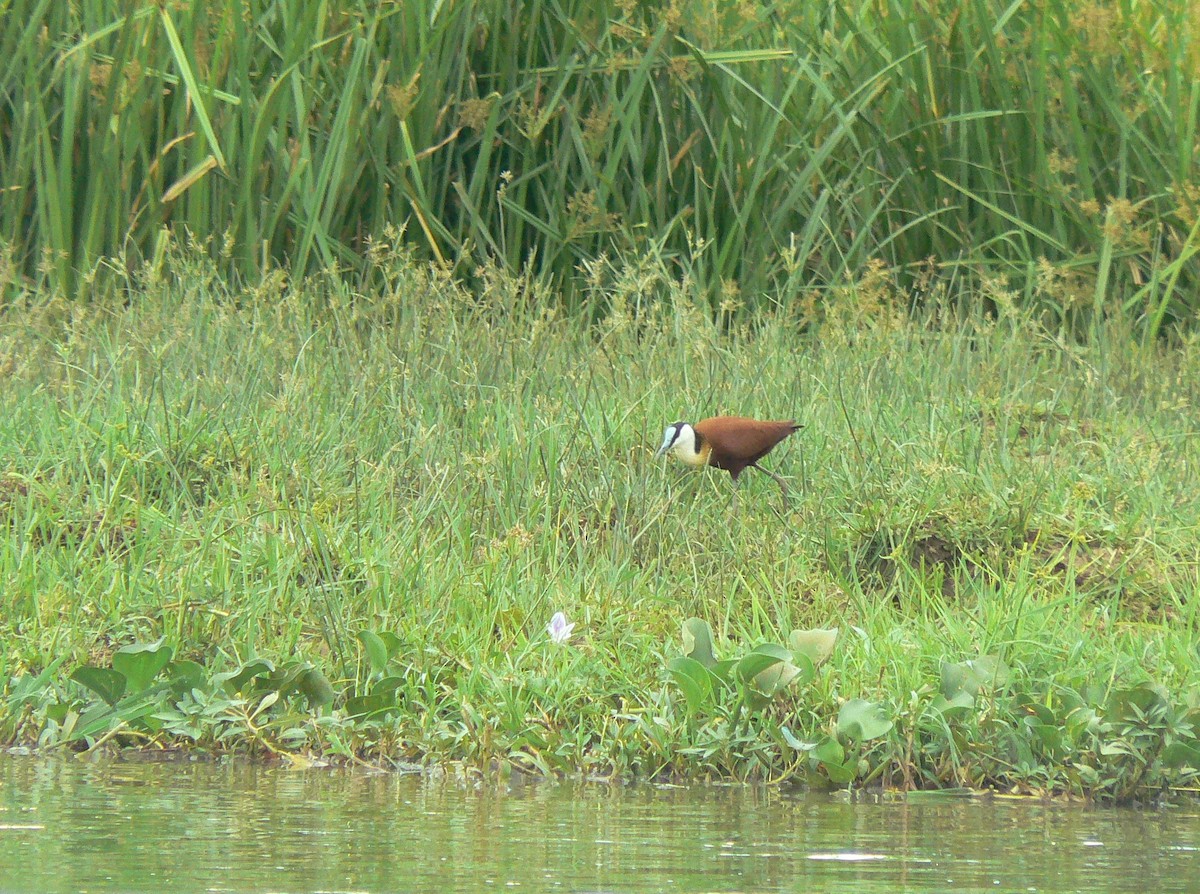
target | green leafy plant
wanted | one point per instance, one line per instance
(145, 693)
(383, 684)
(737, 687)
(858, 721)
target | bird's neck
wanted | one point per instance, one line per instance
(696, 455)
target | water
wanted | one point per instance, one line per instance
(73, 826)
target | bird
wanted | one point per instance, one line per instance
(732, 443)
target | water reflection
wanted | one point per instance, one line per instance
(130, 826)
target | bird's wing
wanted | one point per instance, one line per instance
(748, 438)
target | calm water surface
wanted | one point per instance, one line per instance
(76, 826)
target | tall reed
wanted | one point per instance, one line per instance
(1033, 150)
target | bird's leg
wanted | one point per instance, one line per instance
(778, 480)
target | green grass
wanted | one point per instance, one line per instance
(758, 149)
(269, 473)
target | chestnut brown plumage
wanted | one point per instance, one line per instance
(732, 443)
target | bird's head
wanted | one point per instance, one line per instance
(679, 439)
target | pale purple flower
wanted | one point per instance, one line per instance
(559, 629)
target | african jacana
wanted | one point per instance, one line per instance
(732, 443)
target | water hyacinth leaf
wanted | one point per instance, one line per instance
(141, 663)
(391, 641)
(776, 678)
(376, 649)
(769, 683)
(186, 675)
(758, 660)
(831, 757)
(1179, 755)
(842, 774)
(862, 720)
(961, 704)
(1137, 703)
(697, 641)
(723, 670)
(1038, 712)
(693, 679)
(1082, 719)
(1050, 737)
(315, 687)
(235, 681)
(377, 703)
(387, 684)
(816, 644)
(104, 681)
(986, 672)
(808, 670)
(829, 750)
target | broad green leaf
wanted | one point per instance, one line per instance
(862, 720)
(961, 704)
(816, 644)
(758, 660)
(316, 688)
(1038, 711)
(104, 681)
(186, 675)
(697, 641)
(1081, 719)
(285, 679)
(693, 679)
(392, 642)
(141, 663)
(776, 678)
(1050, 737)
(843, 773)
(986, 672)
(236, 681)
(376, 649)
(831, 756)
(368, 705)
(1182, 754)
(387, 684)
(266, 702)
(1136, 703)
(26, 687)
(723, 670)
(829, 749)
(96, 720)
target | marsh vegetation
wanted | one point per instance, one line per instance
(327, 522)
(335, 340)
